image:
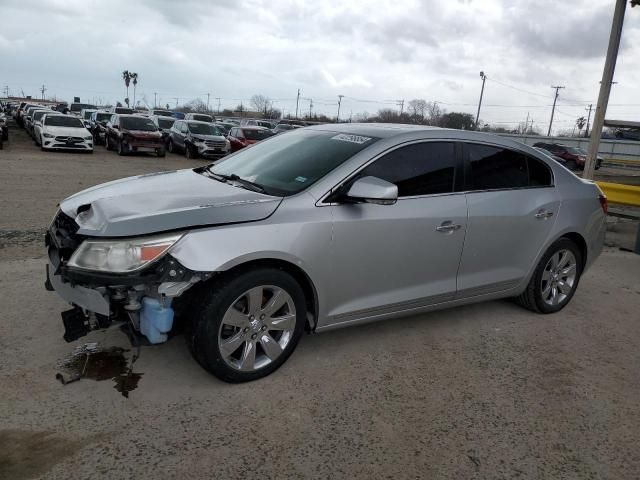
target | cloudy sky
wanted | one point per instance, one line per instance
(372, 52)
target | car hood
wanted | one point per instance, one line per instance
(164, 201)
(141, 133)
(66, 131)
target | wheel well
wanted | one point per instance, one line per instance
(310, 294)
(580, 242)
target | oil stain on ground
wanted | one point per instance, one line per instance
(29, 454)
(100, 364)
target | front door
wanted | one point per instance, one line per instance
(392, 258)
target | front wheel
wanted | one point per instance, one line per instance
(170, 146)
(190, 152)
(248, 325)
(555, 279)
(121, 150)
(160, 152)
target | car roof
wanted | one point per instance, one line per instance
(251, 127)
(188, 120)
(380, 130)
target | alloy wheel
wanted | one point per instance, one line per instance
(257, 327)
(558, 277)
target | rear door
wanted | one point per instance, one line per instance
(391, 258)
(512, 208)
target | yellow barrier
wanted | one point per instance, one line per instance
(622, 194)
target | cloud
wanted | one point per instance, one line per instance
(364, 49)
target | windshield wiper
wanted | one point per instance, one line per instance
(256, 187)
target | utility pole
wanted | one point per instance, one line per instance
(6, 91)
(43, 89)
(586, 132)
(553, 109)
(484, 79)
(310, 107)
(218, 98)
(208, 94)
(526, 123)
(176, 102)
(605, 86)
(401, 105)
(339, 102)
(155, 99)
(297, 100)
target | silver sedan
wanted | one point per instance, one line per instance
(319, 228)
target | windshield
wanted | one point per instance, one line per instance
(124, 110)
(287, 164)
(257, 134)
(103, 117)
(165, 113)
(575, 151)
(137, 123)
(63, 121)
(284, 127)
(87, 114)
(202, 118)
(203, 129)
(165, 123)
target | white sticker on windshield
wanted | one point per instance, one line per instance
(301, 179)
(351, 138)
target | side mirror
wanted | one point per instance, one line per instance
(373, 190)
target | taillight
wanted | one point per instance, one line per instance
(604, 203)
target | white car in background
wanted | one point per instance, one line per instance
(59, 131)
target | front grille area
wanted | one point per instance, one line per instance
(214, 144)
(69, 139)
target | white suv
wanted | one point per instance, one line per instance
(64, 131)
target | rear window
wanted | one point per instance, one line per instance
(166, 123)
(257, 134)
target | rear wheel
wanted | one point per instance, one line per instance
(106, 143)
(555, 279)
(248, 324)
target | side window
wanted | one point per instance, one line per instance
(419, 169)
(539, 173)
(500, 168)
(184, 128)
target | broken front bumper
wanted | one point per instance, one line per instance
(85, 298)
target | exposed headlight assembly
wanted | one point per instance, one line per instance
(47, 135)
(121, 256)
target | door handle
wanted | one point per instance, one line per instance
(543, 214)
(448, 226)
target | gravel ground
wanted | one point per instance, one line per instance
(484, 391)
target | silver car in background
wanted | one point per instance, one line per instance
(319, 228)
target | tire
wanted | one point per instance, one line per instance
(160, 152)
(571, 165)
(121, 151)
(209, 330)
(106, 143)
(190, 152)
(171, 147)
(534, 297)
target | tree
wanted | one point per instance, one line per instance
(417, 109)
(433, 113)
(387, 115)
(134, 77)
(126, 76)
(196, 105)
(458, 120)
(580, 123)
(261, 103)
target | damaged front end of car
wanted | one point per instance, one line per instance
(114, 280)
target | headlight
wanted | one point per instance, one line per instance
(88, 137)
(121, 256)
(47, 135)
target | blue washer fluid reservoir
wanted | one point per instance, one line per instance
(156, 319)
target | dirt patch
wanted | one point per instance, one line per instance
(28, 454)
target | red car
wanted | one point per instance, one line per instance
(240, 137)
(133, 133)
(574, 158)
